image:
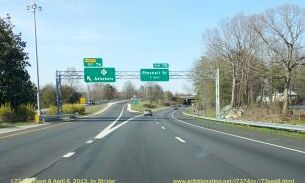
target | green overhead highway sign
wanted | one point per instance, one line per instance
(99, 75)
(154, 74)
(161, 65)
(93, 62)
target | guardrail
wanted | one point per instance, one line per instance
(47, 118)
(290, 127)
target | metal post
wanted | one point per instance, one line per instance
(33, 7)
(88, 94)
(37, 66)
(58, 93)
(217, 94)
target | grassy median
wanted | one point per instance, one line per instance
(94, 108)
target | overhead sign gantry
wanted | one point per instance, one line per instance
(95, 72)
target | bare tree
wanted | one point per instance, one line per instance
(282, 30)
(71, 79)
(235, 42)
(97, 91)
(153, 92)
(129, 89)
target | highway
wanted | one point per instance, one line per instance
(130, 148)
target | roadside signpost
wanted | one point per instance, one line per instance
(154, 74)
(104, 74)
(93, 62)
(161, 65)
(135, 100)
(82, 100)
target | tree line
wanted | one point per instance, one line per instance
(17, 92)
(260, 57)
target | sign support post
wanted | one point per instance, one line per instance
(217, 94)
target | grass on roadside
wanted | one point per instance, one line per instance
(191, 111)
(208, 113)
(296, 122)
(144, 105)
(15, 124)
(277, 132)
(94, 108)
(272, 119)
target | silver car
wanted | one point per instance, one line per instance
(147, 112)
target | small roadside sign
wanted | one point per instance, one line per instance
(82, 100)
(135, 100)
(161, 65)
(93, 62)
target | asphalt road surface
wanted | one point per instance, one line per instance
(167, 147)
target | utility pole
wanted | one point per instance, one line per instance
(88, 94)
(33, 7)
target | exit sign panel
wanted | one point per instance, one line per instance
(154, 74)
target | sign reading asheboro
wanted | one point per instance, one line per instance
(105, 74)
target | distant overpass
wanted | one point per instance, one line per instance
(187, 99)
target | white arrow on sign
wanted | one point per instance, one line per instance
(88, 78)
(104, 72)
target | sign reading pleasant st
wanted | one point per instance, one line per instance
(104, 74)
(93, 62)
(154, 74)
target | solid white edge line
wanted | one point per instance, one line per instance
(241, 137)
(163, 127)
(28, 180)
(180, 139)
(68, 155)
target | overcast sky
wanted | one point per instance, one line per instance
(127, 34)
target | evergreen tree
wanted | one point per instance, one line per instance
(15, 85)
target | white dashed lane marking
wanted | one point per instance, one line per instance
(68, 155)
(180, 139)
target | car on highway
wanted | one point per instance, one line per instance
(91, 102)
(176, 108)
(147, 112)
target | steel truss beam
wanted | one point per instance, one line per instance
(124, 74)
